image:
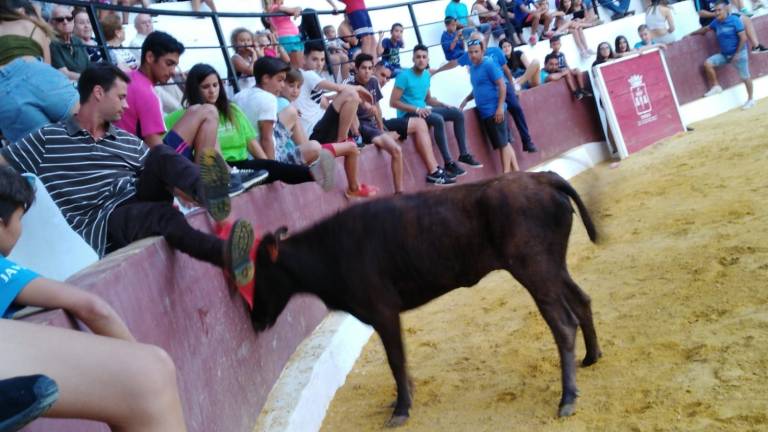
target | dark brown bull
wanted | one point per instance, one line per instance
(382, 257)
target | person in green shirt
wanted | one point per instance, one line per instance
(238, 140)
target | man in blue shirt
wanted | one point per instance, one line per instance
(733, 50)
(489, 92)
(411, 97)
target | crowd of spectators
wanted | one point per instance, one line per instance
(155, 133)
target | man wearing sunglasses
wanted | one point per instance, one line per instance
(68, 54)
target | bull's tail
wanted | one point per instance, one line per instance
(563, 186)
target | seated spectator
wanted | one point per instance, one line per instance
(144, 26)
(68, 54)
(332, 125)
(584, 14)
(137, 202)
(646, 42)
(525, 72)
(84, 31)
(417, 129)
(733, 50)
(565, 23)
(347, 35)
(458, 11)
(32, 93)
(619, 11)
(553, 72)
(622, 46)
(411, 97)
(371, 127)
(545, 32)
(604, 54)
(489, 93)
(360, 21)
(556, 44)
(514, 30)
(660, 22)
(238, 141)
(104, 376)
(483, 12)
(452, 41)
(245, 56)
(338, 55)
(739, 7)
(706, 10)
(287, 32)
(115, 36)
(527, 14)
(389, 48)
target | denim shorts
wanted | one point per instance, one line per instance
(33, 94)
(742, 62)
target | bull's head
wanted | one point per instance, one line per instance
(271, 282)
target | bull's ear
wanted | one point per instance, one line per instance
(281, 233)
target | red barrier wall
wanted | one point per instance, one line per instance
(686, 57)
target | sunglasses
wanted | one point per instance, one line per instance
(59, 20)
(475, 42)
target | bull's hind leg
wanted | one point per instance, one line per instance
(581, 305)
(388, 328)
(547, 292)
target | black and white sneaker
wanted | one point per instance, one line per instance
(468, 159)
(759, 49)
(440, 178)
(453, 170)
(249, 177)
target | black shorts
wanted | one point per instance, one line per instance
(498, 133)
(326, 130)
(399, 125)
(369, 131)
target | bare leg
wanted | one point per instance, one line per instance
(570, 81)
(388, 144)
(297, 59)
(748, 84)
(709, 71)
(346, 103)
(130, 386)
(531, 75)
(749, 29)
(508, 159)
(419, 131)
(579, 77)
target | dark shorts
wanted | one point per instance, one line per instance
(399, 125)
(360, 22)
(327, 129)
(178, 144)
(498, 133)
(369, 131)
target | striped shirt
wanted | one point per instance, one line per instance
(86, 178)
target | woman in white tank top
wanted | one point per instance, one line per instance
(660, 22)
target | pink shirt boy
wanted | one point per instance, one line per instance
(144, 115)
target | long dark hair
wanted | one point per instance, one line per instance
(600, 59)
(9, 12)
(193, 96)
(617, 43)
(513, 61)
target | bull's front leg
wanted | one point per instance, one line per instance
(388, 328)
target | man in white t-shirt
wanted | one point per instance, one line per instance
(259, 103)
(144, 26)
(332, 124)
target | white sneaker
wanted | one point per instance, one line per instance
(713, 91)
(750, 103)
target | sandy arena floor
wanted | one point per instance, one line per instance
(679, 286)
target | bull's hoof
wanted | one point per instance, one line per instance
(589, 360)
(567, 410)
(397, 421)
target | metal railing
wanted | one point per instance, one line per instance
(93, 8)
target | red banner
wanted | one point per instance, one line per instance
(642, 99)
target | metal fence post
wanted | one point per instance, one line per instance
(93, 16)
(415, 24)
(231, 75)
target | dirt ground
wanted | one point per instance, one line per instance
(679, 285)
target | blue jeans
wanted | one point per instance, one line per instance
(611, 4)
(514, 108)
(437, 121)
(33, 94)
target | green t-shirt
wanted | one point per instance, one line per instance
(233, 137)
